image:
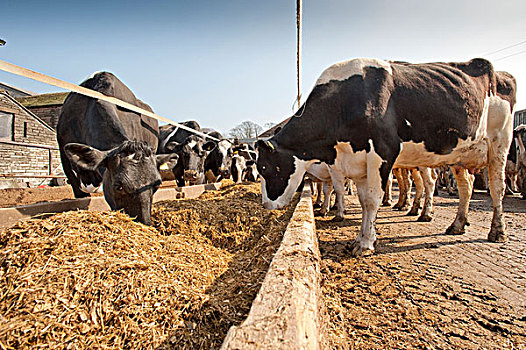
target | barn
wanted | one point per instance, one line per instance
(45, 106)
(28, 146)
(519, 118)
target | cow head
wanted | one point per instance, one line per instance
(192, 154)
(131, 174)
(281, 173)
(222, 156)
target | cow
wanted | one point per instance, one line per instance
(219, 161)
(172, 133)
(365, 116)
(243, 166)
(192, 154)
(103, 145)
(512, 168)
(520, 137)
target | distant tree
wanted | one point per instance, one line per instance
(246, 130)
(269, 125)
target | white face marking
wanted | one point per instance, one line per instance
(165, 141)
(301, 167)
(346, 69)
(90, 188)
(192, 144)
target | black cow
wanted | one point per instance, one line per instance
(102, 144)
(365, 116)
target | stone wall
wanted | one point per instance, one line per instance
(48, 114)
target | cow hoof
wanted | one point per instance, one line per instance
(455, 231)
(425, 218)
(412, 213)
(337, 219)
(386, 204)
(497, 237)
(356, 250)
(316, 206)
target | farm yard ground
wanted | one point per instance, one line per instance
(422, 289)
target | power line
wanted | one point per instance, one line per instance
(505, 48)
(513, 54)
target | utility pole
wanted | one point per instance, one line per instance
(298, 48)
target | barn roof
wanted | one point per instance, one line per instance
(43, 100)
(9, 99)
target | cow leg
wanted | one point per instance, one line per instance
(370, 193)
(465, 188)
(348, 185)
(429, 178)
(338, 182)
(404, 186)
(388, 197)
(327, 191)
(419, 192)
(318, 186)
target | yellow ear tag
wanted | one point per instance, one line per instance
(270, 145)
(164, 167)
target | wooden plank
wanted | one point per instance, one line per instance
(288, 311)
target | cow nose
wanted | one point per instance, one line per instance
(190, 174)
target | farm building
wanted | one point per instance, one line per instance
(519, 118)
(45, 106)
(15, 91)
(28, 146)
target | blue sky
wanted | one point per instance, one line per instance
(224, 62)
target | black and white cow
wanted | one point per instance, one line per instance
(171, 133)
(365, 116)
(102, 145)
(192, 153)
(244, 163)
(520, 137)
(219, 161)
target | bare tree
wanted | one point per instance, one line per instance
(246, 130)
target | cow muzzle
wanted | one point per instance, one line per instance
(191, 175)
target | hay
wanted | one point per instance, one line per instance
(82, 280)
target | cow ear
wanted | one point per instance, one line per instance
(84, 156)
(166, 161)
(172, 146)
(208, 146)
(267, 145)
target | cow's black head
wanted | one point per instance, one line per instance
(192, 154)
(131, 174)
(281, 173)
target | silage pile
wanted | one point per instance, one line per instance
(99, 280)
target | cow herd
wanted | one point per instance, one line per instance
(365, 120)
(107, 148)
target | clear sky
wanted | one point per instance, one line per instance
(224, 62)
